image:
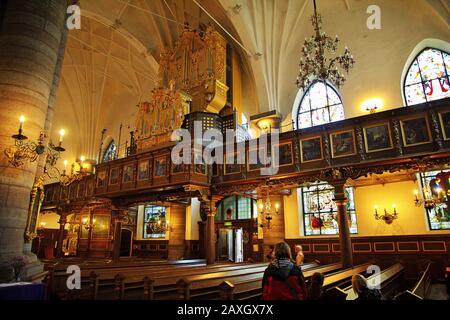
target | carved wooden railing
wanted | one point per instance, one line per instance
(415, 137)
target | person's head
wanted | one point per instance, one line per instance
(317, 278)
(298, 248)
(271, 248)
(282, 251)
(359, 283)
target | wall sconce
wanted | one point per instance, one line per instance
(87, 223)
(41, 229)
(429, 200)
(387, 217)
(23, 151)
(372, 105)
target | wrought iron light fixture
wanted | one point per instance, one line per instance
(387, 217)
(315, 65)
(67, 180)
(265, 210)
(88, 224)
(24, 150)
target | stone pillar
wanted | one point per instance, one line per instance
(274, 234)
(62, 225)
(344, 231)
(30, 40)
(177, 231)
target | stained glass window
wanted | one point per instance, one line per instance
(320, 104)
(154, 222)
(110, 153)
(428, 77)
(320, 211)
(435, 187)
(236, 208)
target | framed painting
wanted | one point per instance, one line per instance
(160, 167)
(378, 137)
(254, 159)
(143, 170)
(101, 226)
(90, 187)
(64, 193)
(444, 118)
(114, 176)
(199, 164)
(311, 149)
(285, 154)
(415, 131)
(82, 189)
(343, 144)
(101, 179)
(128, 173)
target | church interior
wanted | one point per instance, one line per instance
(331, 120)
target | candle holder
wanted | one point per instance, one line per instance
(29, 151)
(386, 217)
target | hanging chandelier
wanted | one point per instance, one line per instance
(265, 210)
(315, 65)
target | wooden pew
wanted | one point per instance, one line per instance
(389, 282)
(57, 279)
(147, 282)
(421, 289)
(161, 284)
(243, 289)
(207, 286)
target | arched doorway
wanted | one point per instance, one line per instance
(126, 243)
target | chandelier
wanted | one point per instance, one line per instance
(315, 65)
(24, 150)
(265, 210)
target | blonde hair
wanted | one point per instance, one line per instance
(359, 283)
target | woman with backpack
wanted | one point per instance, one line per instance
(283, 279)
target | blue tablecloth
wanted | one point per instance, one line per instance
(22, 291)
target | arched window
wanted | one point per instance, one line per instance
(320, 104)
(427, 78)
(110, 153)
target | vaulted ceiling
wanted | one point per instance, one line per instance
(111, 63)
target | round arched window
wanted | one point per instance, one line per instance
(427, 78)
(320, 104)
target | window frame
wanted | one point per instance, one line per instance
(221, 209)
(422, 81)
(328, 86)
(321, 212)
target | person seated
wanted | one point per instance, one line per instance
(270, 255)
(283, 279)
(299, 256)
(361, 288)
(315, 289)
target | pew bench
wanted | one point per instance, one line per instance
(390, 280)
(421, 289)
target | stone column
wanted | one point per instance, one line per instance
(30, 40)
(177, 231)
(62, 224)
(275, 233)
(344, 231)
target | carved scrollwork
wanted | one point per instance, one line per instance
(397, 136)
(360, 143)
(436, 130)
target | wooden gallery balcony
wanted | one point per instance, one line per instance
(415, 137)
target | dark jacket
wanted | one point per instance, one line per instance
(283, 280)
(315, 291)
(369, 294)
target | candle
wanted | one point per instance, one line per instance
(395, 208)
(85, 221)
(65, 165)
(416, 193)
(277, 206)
(62, 132)
(22, 120)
